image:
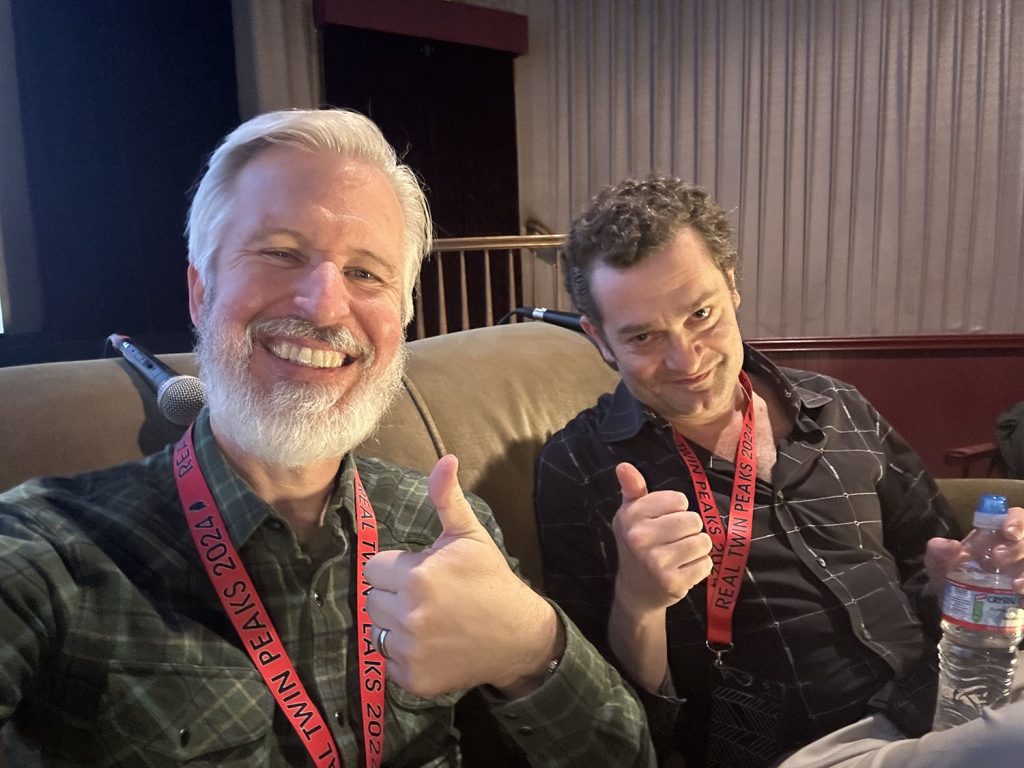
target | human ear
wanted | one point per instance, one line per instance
(730, 277)
(196, 295)
(597, 336)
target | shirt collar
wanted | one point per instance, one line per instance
(628, 415)
(241, 508)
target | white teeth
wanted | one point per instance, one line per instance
(314, 358)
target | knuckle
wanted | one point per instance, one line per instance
(634, 539)
(705, 544)
(694, 519)
(628, 532)
(420, 582)
(416, 624)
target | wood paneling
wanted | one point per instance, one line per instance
(939, 392)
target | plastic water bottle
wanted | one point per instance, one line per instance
(982, 624)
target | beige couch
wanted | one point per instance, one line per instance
(491, 396)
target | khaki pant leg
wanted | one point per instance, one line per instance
(994, 740)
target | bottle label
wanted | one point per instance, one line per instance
(983, 608)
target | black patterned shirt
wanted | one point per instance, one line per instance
(832, 620)
(116, 650)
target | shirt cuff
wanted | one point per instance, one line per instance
(583, 712)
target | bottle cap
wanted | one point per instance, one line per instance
(990, 512)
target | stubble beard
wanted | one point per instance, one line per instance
(293, 423)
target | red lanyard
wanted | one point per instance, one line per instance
(729, 549)
(252, 622)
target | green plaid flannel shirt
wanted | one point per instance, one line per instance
(116, 650)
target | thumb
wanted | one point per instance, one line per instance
(454, 512)
(940, 554)
(631, 482)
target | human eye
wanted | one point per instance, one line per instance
(283, 256)
(640, 339)
(363, 275)
(704, 313)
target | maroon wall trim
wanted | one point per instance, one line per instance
(889, 343)
(939, 392)
(432, 19)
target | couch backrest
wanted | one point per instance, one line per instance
(963, 493)
(490, 396)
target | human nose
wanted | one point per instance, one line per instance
(322, 296)
(684, 353)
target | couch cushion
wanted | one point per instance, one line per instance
(491, 396)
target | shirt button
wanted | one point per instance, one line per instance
(511, 716)
(339, 718)
(867, 634)
(275, 525)
(526, 731)
(821, 561)
(318, 599)
(184, 736)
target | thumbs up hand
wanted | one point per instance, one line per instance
(663, 550)
(456, 614)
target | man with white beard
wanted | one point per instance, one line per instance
(257, 594)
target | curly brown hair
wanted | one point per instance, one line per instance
(629, 221)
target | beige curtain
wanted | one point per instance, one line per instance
(871, 151)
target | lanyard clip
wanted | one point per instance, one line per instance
(719, 649)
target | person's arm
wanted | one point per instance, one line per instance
(458, 616)
(583, 715)
(913, 512)
(663, 552)
(575, 500)
(32, 578)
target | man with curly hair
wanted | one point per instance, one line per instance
(755, 547)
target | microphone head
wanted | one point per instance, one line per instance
(180, 399)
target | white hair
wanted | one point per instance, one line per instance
(340, 131)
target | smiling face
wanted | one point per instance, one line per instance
(301, 332)
(669, 326)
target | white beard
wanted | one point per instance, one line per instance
(294, 423)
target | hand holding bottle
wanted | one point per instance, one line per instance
(982, 616)
(944, 555)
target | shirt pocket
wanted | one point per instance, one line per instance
(169, 713)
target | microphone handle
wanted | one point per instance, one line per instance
(156, 373)
(570, 320)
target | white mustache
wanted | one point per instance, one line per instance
(338, 339)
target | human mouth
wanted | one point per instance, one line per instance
(307, 356)
(689, 381)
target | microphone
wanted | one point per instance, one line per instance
(179, 397)
(570, 320)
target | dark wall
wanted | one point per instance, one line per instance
(120, 104)
(449, 109)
